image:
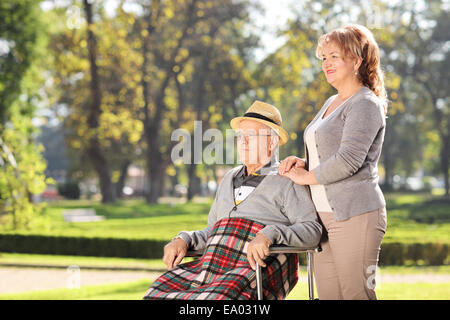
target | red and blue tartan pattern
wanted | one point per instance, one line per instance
(223, 271)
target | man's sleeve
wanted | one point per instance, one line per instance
(305, 230)
(196, 240)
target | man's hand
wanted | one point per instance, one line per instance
(174, 252)
(258, 250)
(290, 162)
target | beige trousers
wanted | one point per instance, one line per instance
(346, 267)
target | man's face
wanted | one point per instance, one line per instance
(255, 142)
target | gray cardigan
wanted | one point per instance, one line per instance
(285, 208)
(349, 143)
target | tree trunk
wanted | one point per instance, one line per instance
(191, 169)
(162, 185)
(444, 135)
(173, 182)
(100, 166)
(194, 182)
(199, 103)
(123, 176)
(154, 158)
(94, 150)
(388, 179)
(445, 154)
(152, 125)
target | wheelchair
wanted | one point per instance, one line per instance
(280, 249)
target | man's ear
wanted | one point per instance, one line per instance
(274, 140)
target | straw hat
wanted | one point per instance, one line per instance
(266, 114)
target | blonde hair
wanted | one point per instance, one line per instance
(357, 41)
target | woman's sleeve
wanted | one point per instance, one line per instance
(305, 229)
(362, 124)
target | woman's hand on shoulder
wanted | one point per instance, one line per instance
(290, 162)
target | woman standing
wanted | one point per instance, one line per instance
(342, 147)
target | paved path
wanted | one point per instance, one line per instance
(15, 280)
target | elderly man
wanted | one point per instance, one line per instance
(254, 207)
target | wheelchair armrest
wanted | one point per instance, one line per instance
(273, 249)
(290, 249)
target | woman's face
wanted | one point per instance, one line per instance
(337, 68)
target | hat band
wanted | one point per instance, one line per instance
(258, 116)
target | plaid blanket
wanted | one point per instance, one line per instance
(223, 271)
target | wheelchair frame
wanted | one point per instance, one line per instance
(280, 249)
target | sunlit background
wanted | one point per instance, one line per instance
(91, 92)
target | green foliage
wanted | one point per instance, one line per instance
(21, 163)
(159, 70)
(122, 291)
(22, 175)
(135, 219)
(69, 189)
(398, 253)
(135, 290)
(135, 225)
(413, 58)
(81, 246)
(131, 219)
(391, 253)
(176, 62)
(21, 34)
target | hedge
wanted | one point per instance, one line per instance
(79, 246)
(396, 253)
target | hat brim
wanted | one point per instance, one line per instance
(282, 134)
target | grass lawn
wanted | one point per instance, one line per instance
(123, 291)
(135, 291)
(129, 219)
(394, 291)
(64, 261)
(410, 219)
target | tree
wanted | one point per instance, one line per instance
(93, 110)
(419, 55)
(432, 72)
(20, 46)
(291, 77)
(171, 32)
(22, 33)
(413, 56)
(102, 139)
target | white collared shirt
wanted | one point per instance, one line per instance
(318, 193)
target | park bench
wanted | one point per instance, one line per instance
(81, 215)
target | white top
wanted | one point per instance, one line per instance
(318, 194)
(241, 193)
